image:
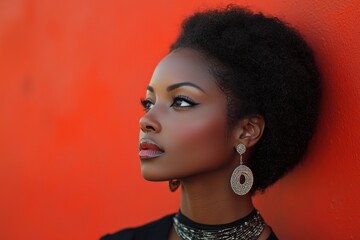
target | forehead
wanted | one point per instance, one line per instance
(183, 65)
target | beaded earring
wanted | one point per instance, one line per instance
(174, 184)
(242, 170)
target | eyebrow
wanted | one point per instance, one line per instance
(177, 85)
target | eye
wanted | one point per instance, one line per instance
(147, 104)
(183, 102)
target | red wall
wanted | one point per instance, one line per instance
(71, 75)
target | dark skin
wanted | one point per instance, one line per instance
(186, 116)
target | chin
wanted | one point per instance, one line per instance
(153, 176)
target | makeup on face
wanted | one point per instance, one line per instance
(183, 129)
(149, 149)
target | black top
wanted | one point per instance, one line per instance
(156, 230)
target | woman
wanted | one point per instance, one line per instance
(228, 112)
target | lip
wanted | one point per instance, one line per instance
(148, 148)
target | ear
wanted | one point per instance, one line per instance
(249, 130)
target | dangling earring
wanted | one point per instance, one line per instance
(174, 184)
(242, 170)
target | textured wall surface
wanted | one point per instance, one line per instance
(71, 75)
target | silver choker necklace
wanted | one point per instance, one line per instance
(249, 227)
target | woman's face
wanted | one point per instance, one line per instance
(183, 132)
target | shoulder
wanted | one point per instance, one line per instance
(157, 229)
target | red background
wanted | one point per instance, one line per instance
(71, 75)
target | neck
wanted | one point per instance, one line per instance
(209, 199)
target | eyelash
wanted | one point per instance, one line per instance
(146, 102)
(185, 99)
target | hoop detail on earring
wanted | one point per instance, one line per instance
(174, 184)
(242, 170)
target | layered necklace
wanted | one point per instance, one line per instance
(249, 227)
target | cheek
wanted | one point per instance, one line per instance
(201, 133)
(200, 142)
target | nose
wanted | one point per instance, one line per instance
(149, 124)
